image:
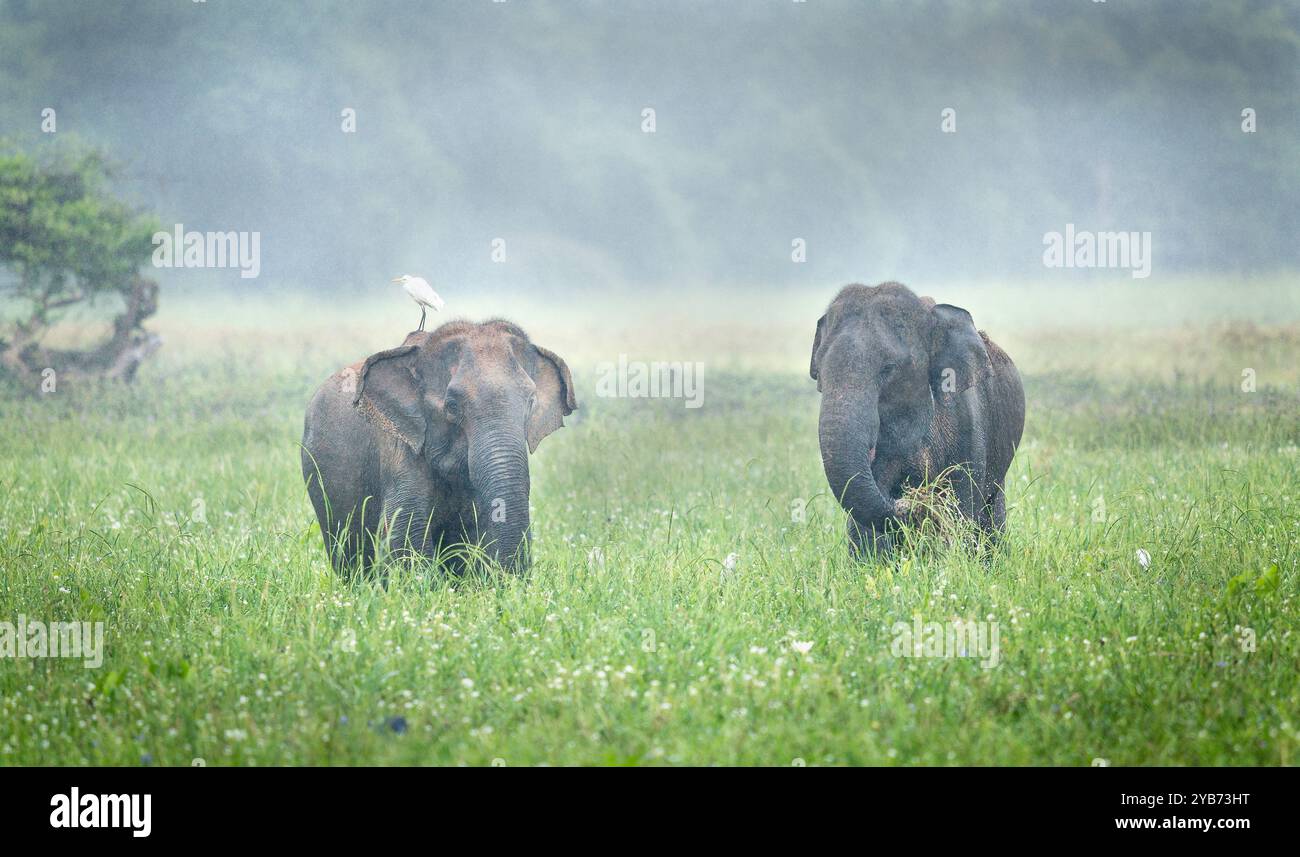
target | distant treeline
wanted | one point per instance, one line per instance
(822, 121)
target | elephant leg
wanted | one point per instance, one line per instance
(965, 486)
(992, 522)
(346, 543)
(410, 530)
(350, 549)
(996, 511)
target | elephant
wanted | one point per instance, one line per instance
(909, 389)
(426, 445)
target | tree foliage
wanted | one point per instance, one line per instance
(66, 239)
(61, 232)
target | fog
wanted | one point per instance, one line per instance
(777, 127)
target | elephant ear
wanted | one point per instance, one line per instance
(958, 358)
(555, 398)
(389, 395)
(814, 365)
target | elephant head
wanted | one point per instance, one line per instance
(881, 357)
(470, 402)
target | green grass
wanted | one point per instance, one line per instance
(229, 639)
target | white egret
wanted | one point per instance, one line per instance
(422, 293)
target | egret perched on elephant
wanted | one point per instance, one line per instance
(423, 295)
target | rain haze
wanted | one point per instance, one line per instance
(692, 504)
(820, 121)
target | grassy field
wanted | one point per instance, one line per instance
(174, 512)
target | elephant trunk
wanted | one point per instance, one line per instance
(498, 469)
(848, 428)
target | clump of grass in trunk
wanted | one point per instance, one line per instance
(931, 515)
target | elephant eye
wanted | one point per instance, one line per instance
(451, 404)
(532, 402)
(892, 367)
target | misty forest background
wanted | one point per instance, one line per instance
(819, 120)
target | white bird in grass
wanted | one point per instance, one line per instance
(422, 293)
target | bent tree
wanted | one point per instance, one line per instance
(64, 241)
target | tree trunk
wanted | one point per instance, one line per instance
(117, 359)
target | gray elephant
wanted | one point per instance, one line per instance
(909, 389)
(426, 445)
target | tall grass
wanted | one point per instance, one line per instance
(691, 599)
